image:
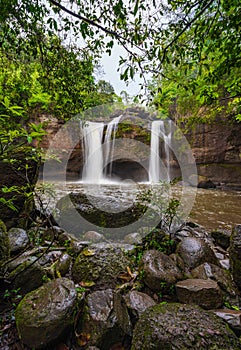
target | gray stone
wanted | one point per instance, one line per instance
(205, 293)
(63, 264)
(93, 236)
(192, 230)
(44, 314)
(232, 317)
(160, 271)
(221, 238)
(222, 277)
(105, 319)
(181, 327)
(26, 273)
(235, 255)
(195, 251)
(225, 264)
(133, 238)
(138, 302)
(18, 239)
(101, 264)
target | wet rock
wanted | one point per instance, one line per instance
(221, 238)
(133, 238)
(222, 277)
(104, 321)
(63, 264)
(232, 317)
(18, 239)
(195, 251)
(235, 255)
(44, 314)
(50, 258)
(205, 293)
(25, 273)
(225, 264)
(80, 213)
(4, 244)
(178, 327)
(206, 184)
(101, 264)
(93, 236)
(192, 230)
(160, 271)
(137, 303)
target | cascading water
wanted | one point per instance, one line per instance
(98, 156)
(93, 155)
(95, 160)
(157, 171)
(109, 143)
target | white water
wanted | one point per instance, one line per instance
(95, 160)
(109, 143)
(157, 170)
(93, 155)
(97, 156)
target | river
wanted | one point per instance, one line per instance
(213, 209)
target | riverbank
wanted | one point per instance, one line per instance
(96, 294)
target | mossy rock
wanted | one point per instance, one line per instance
(100, 264)
(235, 255)
(4, 245)
(177, 326)
(44, 314)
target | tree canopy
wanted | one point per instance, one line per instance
(199, 38)
(150, 31)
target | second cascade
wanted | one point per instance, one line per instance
(99, 143)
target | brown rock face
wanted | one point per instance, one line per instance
(216, 148)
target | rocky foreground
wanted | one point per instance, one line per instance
(148, 292)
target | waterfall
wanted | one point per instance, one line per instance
(157, 171)
(98, 155)
(93, 155)
(110, 143)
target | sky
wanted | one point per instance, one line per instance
(110, 66)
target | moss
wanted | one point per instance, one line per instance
(4, 245)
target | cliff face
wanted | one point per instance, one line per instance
(217, 151)
(216, 148)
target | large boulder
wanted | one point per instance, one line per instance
(160, 271)
(235, 255)
(100, 264)
(44, 314)
(182, 327)
(195, 251)
(205, 293)
(80, 213)
(104, 321)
